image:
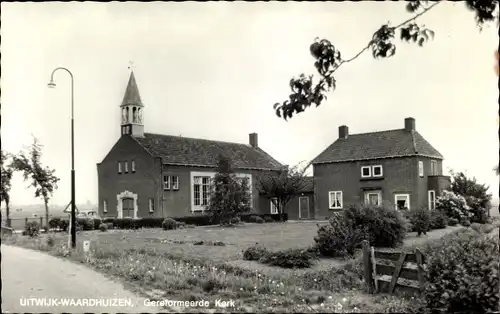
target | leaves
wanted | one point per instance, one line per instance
(416, 34)
(485, 10)
(382, 45)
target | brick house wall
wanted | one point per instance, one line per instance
(141, 182)
(293, 207)
(400, 176)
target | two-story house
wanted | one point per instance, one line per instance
(154, 175)
(398, 167)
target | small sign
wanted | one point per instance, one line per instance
(67, 210)
(86, 246)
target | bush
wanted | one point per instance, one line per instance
(255, 219)
(268, 219)
(169, 224)
(32, 229)
(292, 258)
(384, 225)
(340, 238)
(439, 220)
(109, 225)
(64, 225)
(127, 223)
(235, 221)
(150, 222)
(420, 220)
(254, 253)
(462, 274)
(465, 223)
(453, 205)
(50, 241)
(54, 223)
(103, 227)
(85, 223)
(452, 222)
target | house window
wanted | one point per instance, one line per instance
(434, 171)
(366, 172)
(377, 171)
(274, 208)
(119, 167)
(126, 166)
(432, 199)
(166, 182)
(201, 187)
(335, 199)
(105, 206)
(175, 182)
(421, 168)
(133, 165)
(373, 198)
(151, 205)
(402, 201)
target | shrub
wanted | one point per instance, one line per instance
(340, 238)
(453, 205)
(169, 224)
(150, 222)
(452, 222)
(126, 223)
(438, 219)
(54, 223)
(255, 219)
(86, 223)
(32, 229)
(292, 258)
(255, 253)
(109, 225)
(384, 225)
(64, 225)
(462, 274)
(50, 241)
(103, 227)
(420, 220)
(235, 221)
(476, 195)
(268, 219)
(465, 223)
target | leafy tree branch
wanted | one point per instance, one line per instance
(305, 93)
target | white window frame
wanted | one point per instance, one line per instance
(381, 171)
(341, 199)
(104, 206)
(175, 183)
(166, 182)
(133, 165)
(401, 195)
(421, 168)
(151, 205)
(431, 203)
(119, 167)
(126, 166)
(273, 207)
(434, 171)
(369, 171)
(211, 175)
(379, 197)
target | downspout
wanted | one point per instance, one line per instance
(158, 191)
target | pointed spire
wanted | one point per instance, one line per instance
(132, 96)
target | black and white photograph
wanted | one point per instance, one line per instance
(250, 157)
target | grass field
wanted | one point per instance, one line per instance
(167, 264)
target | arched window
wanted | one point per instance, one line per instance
(126, 115)
(134, 111)
(139, 115)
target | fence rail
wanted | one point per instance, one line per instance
(387, 271)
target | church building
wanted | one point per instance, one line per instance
(157, 175)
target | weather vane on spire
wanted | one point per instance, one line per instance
(131, 65)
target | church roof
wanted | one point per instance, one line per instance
(132, 96)
(184, 151)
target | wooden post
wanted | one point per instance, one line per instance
(41, 223)
(395, 276)
(420, 267)
(367, 265)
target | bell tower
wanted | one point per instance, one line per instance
(132, 110)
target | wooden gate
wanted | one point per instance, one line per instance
(386, 271)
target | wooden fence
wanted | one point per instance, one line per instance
(387, 271)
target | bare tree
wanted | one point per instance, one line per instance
(41, 178)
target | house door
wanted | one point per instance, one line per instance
(304, 207)
(373, 198)
(128, 207)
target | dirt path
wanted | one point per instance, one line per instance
(30, 274)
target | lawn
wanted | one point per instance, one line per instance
(175, 265)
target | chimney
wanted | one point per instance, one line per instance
(409, 124)
(253, 140)
(343, 131)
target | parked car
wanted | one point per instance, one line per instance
(88, 214)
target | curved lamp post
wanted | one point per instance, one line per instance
(73, 213)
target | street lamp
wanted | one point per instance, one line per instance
(73, 213)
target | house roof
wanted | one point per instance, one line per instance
(375, 145)
(178, 150)
(132, 96)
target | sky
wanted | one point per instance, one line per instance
(214, 70)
